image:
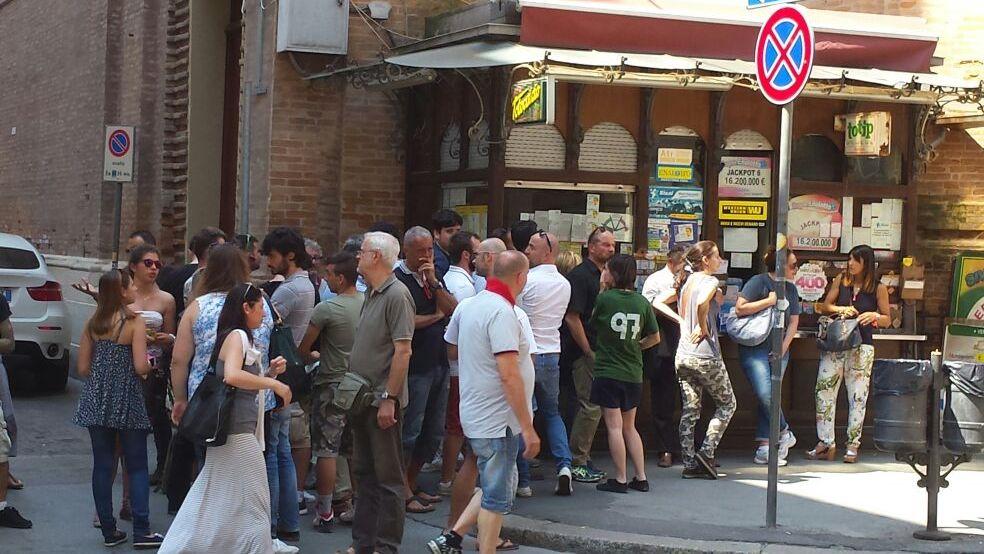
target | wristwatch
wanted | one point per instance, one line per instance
(437, 286)
(387, 396)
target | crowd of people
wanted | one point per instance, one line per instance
(430, 347)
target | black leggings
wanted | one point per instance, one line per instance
(155, 398)
(664, 389)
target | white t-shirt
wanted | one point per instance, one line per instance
(658, 283)
(481, 327)
(544, 299)
(461, 285)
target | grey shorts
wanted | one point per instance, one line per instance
(4, 438)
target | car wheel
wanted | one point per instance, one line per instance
(56, 375)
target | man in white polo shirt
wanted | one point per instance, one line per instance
(544, 299)
(496, 383)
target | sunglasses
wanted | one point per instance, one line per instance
(543, 234)
(148, 263)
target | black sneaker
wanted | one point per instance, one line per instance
(448, 543)
(695, 472)
(289, 536)
(612, 485)
(583, 474)
(637, 485)
(118, 538)
(150, 540)
(707, 464)
(302, 508)
(10, 517)
(324, 523)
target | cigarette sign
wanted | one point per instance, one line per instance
(743, 213)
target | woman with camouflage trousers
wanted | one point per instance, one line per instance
(699, 364)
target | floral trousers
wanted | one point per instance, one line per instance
(853, 367)
(697, 375)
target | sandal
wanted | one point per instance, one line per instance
(851, 456)
(504, 545)
(428, 497)
(823, 451)
(423, 508)
(14, 483)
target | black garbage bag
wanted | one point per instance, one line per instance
(966, 377)
(900, 377)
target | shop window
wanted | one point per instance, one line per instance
(535, 147)
(746, 185)
(451, 148)
(608, 147)
(676, 191)
(875, 171)
(817, 158)
(471, 201)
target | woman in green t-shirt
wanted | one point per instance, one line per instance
(626, 325)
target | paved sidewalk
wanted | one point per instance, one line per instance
(872, 506)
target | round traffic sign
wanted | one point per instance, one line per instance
(784, 54)
(119, 143)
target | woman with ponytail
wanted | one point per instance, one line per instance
(699, 364)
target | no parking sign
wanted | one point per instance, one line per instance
(118, 154)
(784, 55)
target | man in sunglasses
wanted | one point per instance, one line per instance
(544, 299)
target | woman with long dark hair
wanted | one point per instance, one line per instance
(856, 293)
(626, 325)
(193, 349)
(699, 364)
(157, 309)
(228, 507)
(112, 353)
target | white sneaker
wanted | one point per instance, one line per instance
(564, 482)
(308, 497)
(524, 492)
(445, 489)
(280, 547)
(762, 456)
(786, 441)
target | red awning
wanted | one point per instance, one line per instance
(703, 29)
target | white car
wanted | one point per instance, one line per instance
(39, 317)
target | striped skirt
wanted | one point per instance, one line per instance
(228, 507)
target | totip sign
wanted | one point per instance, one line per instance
(118, 154)
(752, 4)
(784, 54)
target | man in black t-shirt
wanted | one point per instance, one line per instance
(585, 285)
(9, 516)
(427, 381)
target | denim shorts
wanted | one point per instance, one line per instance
(497, 471)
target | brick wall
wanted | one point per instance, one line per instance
(951, 192)
(59, 95)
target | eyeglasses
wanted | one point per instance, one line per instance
(543, 234)
(148, 263)
(597, 231)
(246, 292)
(363, 251)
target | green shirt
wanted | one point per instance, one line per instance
(621, 319)
(337, 319)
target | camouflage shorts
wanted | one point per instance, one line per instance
(327, 423)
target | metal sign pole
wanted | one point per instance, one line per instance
(782, 305)
(117, 223)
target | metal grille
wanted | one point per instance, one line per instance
(478, 147)
(535, 147)
(451, 148)
(608, 147)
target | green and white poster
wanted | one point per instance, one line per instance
(967, 301)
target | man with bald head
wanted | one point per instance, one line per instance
(496, 379)
(485, 256)
(544, 299)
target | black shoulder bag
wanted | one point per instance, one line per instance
(206, 420)
(282, 344)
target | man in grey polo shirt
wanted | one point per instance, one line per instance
(381, 354)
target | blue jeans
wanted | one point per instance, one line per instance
(523, 465)
(497, 471)
(281, 475)
(135, 453)
(755, 363)
(546, 390)
(423, 420)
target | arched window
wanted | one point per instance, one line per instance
(608, 147)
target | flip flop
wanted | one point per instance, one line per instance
(426, 508)
(428, 497)
(14, 483)
(505, 545)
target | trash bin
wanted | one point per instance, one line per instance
(963, 412)
(899, 401)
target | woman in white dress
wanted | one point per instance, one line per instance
(228, 507)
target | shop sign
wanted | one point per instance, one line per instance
(967, 301)
(676, 203)
(675, 156)
(745, 177)
(964, 343)
(743, 213)
(533, 101)
(814, 223)
(811, 282)
(868, 134)
(674, 174)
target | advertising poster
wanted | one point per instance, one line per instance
(814, 223)
(811, 282)
(967, 301)
(745, 177)
(743, 213)
(964, 343)
(669, 209)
